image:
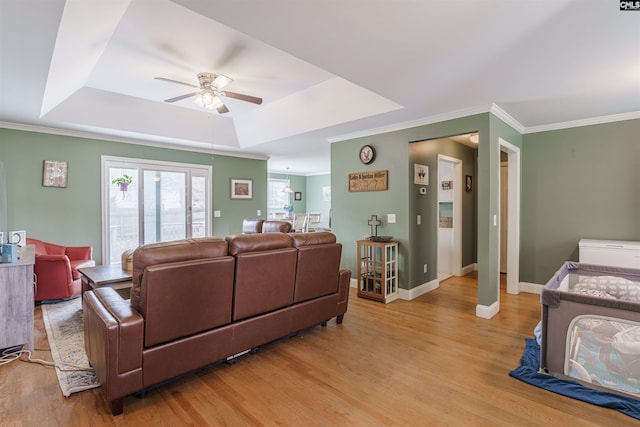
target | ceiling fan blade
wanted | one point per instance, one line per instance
(178, 98)
(221, 81)
(176, 81)
(222, 109)
(242, 97)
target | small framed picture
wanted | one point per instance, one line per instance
(241, 188)
(297, 195)
(54, 173)
(468, 186)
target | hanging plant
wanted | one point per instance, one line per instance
(123, 182)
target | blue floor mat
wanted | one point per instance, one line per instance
(528, 372)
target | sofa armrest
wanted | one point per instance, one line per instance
(79, 252)
(113, 335)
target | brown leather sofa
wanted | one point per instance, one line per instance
(199, 301)
(252, 225)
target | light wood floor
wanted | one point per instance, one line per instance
(426, 362)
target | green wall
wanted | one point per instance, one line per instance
(72, 215)
(425, 235)
(577, 183)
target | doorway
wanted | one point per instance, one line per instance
(449, 217)
(512, 221)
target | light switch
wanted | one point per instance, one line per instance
(391, 218)
(258, 212)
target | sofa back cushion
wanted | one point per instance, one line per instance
(318, 265)
(264, 273)
(182, 298)
(165, 252)
(276, 227)
(182, 287)
(252, 225)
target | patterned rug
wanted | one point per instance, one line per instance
(65, 331)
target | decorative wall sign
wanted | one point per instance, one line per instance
(241, 188)
(420, 174)
(447, 185)
(368, 181)
(54, 173)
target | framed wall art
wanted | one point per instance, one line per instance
(297, 195)
(54, 173)
(241, 188)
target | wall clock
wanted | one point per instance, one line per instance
(367, 154)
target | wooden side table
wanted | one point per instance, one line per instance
(378, 270)
(111, 275)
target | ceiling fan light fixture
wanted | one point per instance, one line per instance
(205, 98)
(221, 81)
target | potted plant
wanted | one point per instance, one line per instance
(123, 182)
(289, 209)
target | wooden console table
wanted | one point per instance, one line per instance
(16, 300)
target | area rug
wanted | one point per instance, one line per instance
(528, 372)
(65, 332)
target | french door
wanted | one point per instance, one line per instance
(164, 201)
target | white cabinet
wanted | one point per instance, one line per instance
(16, 300)
(614, 253)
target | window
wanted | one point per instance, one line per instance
(276, 199)
(165, 201)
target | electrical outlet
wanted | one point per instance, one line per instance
(391, 218)
(425, 267)
(217, 214)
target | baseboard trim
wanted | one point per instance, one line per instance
(487, 312)
(409, 294)
(532, 288)
(469, 269)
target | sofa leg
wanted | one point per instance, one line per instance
(339, 319)
(117, 407)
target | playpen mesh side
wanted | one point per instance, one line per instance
(604, 351)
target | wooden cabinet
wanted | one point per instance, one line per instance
(16, 300)
(378, 270)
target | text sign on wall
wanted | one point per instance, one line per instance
(368, 181)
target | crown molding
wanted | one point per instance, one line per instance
(507, 118)
(412, 124)
(204, 148)
(584, 122)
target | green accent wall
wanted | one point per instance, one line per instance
(577, 183)
(417, 244)
(72, 215)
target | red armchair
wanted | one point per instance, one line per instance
(56, 269)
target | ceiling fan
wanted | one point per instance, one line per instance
(210, 91)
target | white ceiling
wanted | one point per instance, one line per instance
(327, 70)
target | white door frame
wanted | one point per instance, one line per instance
(513, 216)
(456, 257)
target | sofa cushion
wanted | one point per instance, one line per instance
(175, 251)
(318, 265)
(183, 298)
(241, 243)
